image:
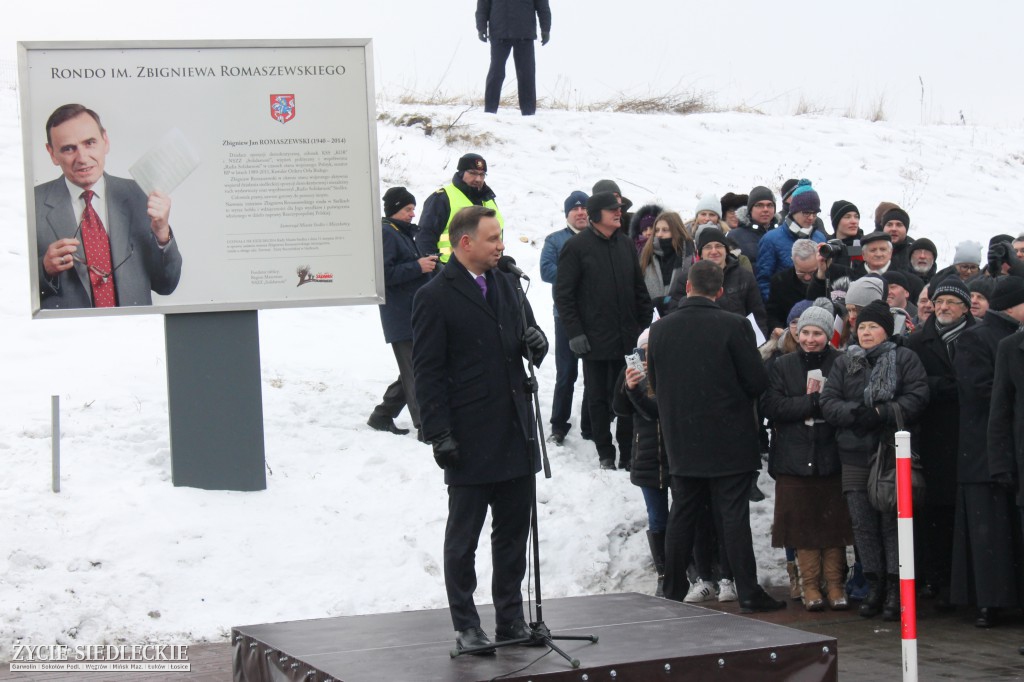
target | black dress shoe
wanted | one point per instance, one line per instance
(557, 438)
(517, 629)
(608, 464)
(471, 638)
(986, 617)
(761, 602)
(385, 424)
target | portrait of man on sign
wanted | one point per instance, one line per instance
(101, 241)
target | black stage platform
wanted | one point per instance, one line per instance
(641, 638)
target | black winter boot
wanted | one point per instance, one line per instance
(657, 543)
(872, 604)
(891, 610)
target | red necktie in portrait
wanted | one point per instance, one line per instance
(97, 255)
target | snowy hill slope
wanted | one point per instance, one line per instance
(352, 520)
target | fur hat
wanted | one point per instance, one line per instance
(731, 202)
(472, 162)
(397, 198)
(646, 216)
(879, 313)
(865, 290)
(816, 317)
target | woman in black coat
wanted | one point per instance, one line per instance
(405, 271)
(810, 513)
(863, 387)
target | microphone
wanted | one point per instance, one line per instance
(508, 264)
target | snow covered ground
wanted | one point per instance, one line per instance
(352, 519)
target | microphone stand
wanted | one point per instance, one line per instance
(540, 635)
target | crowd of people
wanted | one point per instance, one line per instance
(768, 334)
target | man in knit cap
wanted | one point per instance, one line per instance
(923, 255)
(760, 220)
(566, 362)
(775, 250)
(939, 436)
(896, 223)
(899, 293)
(467, 188)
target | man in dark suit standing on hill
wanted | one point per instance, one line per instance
(511, 26)
(705, 370)
(469, 342)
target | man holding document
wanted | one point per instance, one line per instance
(101, 241)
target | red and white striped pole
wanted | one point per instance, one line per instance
(905, 527)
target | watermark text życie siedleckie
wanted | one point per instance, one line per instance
(100, 658)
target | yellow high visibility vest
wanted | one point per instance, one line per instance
(458, 201)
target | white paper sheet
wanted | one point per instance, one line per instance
(165, 165)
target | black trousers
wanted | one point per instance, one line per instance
(511, 503)
(567, 366)
(402, 391)
(526, 75)
(729, 497)
(599, 377)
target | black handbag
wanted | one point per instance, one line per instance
(882, 469)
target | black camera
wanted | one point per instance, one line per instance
(832, 249)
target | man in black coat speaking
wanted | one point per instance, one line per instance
(469, 342)
(705, 370)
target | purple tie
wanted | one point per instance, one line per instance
(482, 283)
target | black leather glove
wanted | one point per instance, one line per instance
(1005, 480)
(483, 36)
(996, 257)
(545, 36)
(446, 450)
(866, 419)
(538, 344)
(579, 344)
